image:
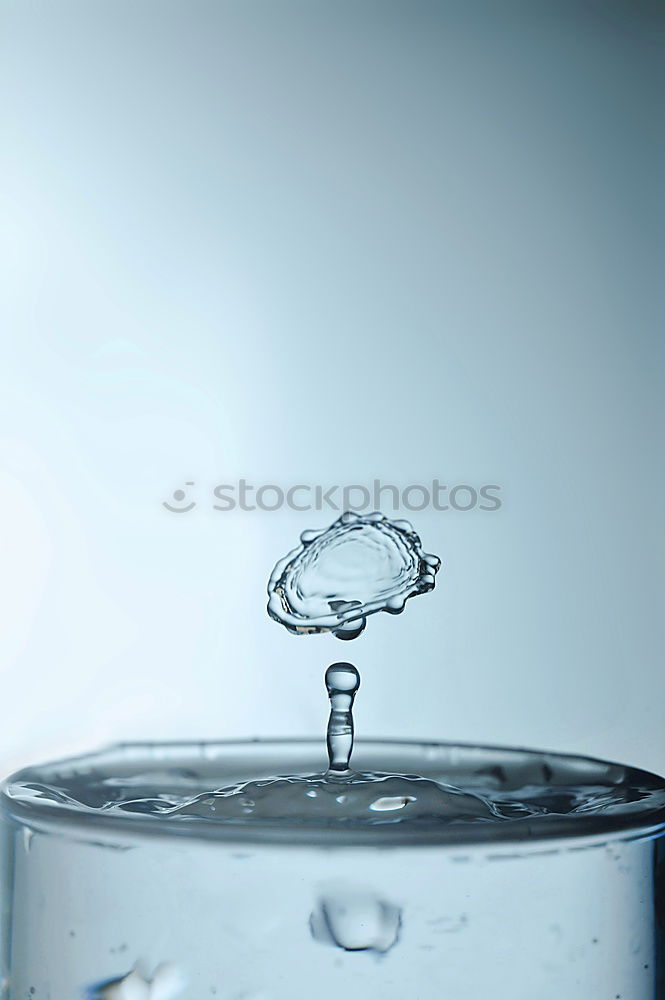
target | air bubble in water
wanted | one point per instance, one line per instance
(356, 921)
(167, 983)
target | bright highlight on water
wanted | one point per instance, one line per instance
(339, 576)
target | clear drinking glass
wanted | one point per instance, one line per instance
(560, 898)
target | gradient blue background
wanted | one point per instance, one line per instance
(304, 241)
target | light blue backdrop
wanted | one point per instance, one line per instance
(323, 242)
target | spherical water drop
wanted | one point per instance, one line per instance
(342, 678)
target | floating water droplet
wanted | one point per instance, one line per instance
(352, 628)
(361, 564)
(342, 682)
(356, 921)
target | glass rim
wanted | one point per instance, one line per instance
(231, 760)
